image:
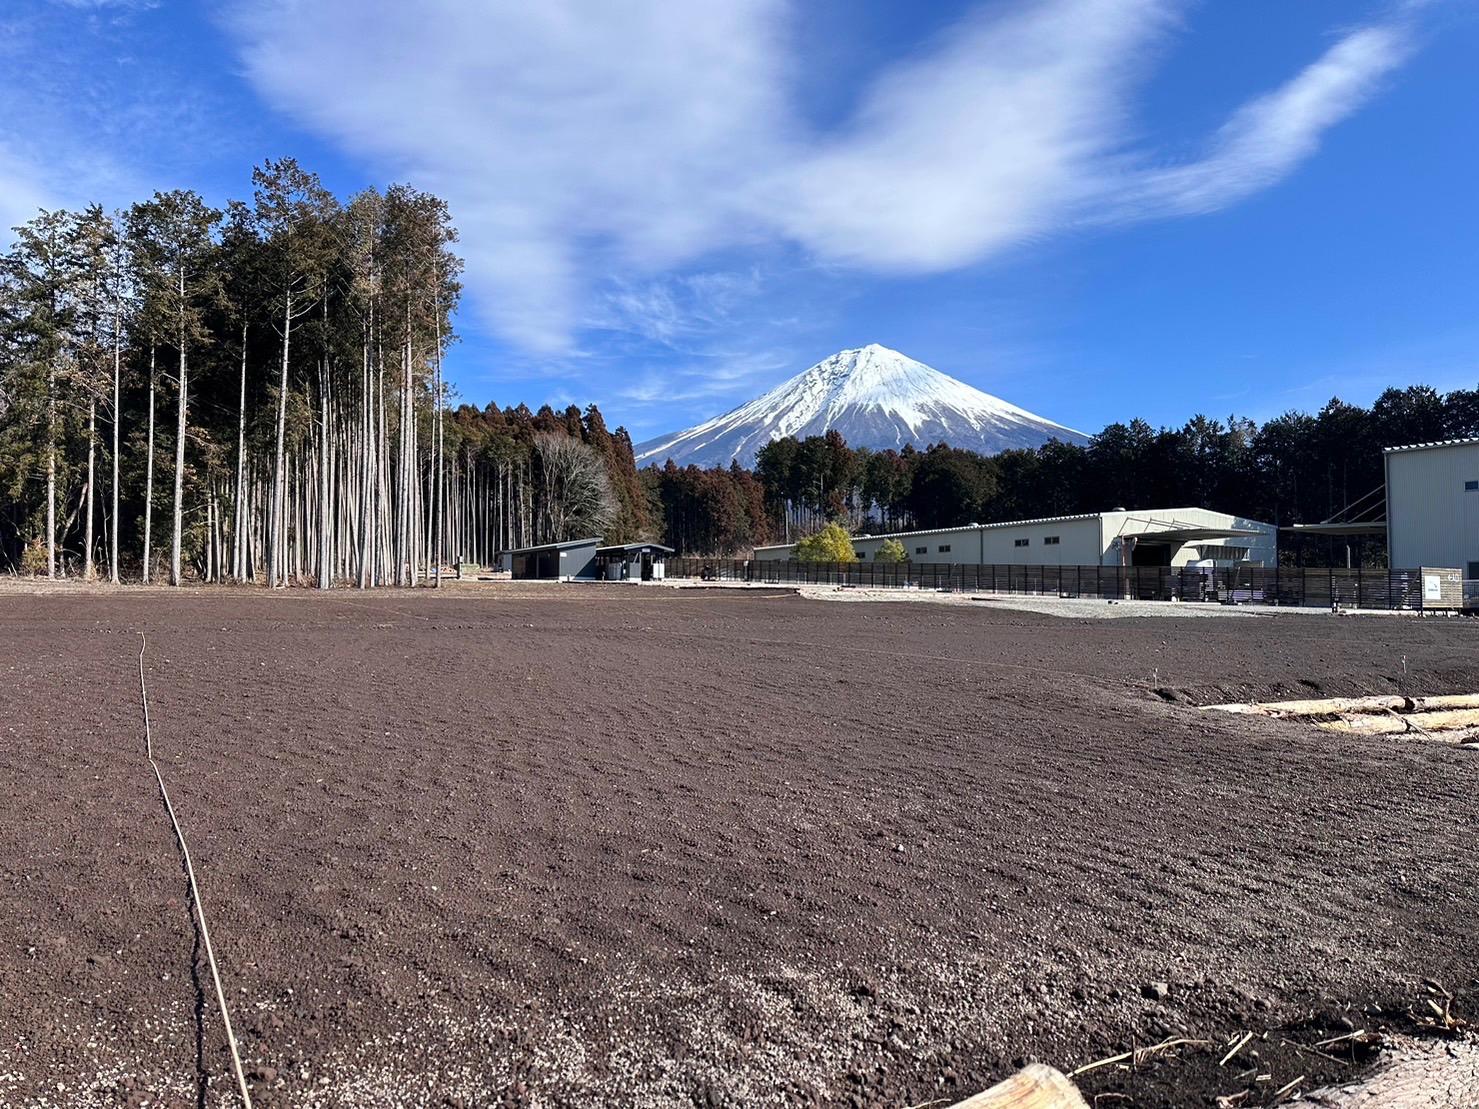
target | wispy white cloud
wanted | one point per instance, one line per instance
(1267, 138)
(567, 136)
(676, 311)
(87, 114)
(22, 192)
(992, 137)
(719, 377)
(591, 149)
(109, 5)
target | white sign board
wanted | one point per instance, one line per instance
(1432, 587)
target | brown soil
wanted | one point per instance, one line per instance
(614, 845)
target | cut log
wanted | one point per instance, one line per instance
(1332, 706)
(1325, 706)
(1035, 1087)
(1448, 701)
(1438, 721)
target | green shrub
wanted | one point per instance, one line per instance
(890, 550)
(831, 544)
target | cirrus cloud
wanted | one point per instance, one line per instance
(585, 142)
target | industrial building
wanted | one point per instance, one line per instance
(569, 561)
(1433, 505)
(1160, 537)
(587, 560)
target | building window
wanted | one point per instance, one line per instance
(1020, 542)
(859, 555)
(1050, 541)
(921, 550)
(944, 548)
(1471, 487)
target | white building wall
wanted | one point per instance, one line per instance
(964, 546)
(1432, 515)
(1028, 544)
(1081, 540)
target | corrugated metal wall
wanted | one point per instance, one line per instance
(1432, 518)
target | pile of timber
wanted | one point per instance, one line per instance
(1450, 717)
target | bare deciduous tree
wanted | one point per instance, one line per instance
(576, 499)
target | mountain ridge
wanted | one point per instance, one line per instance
(874, 397)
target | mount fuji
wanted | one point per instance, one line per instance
(873, 396)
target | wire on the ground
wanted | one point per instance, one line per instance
(205, 932)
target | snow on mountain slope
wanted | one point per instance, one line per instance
(875, 397)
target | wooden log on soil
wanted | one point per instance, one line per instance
(1035, 1087)
(1325, 706)
(1334, 706)
(1391, 723)
(1447, 701)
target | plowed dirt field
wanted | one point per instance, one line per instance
(633, 846)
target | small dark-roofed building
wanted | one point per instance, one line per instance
(632, 562)
(575, 558)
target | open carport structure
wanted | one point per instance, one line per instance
(632, 562)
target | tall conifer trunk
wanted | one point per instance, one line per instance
(149, 463)
(92, 450)
(180, 423)
(113, 521)
(239, 520)
(276, 555)
(51, 470)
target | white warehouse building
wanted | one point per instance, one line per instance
(1433, 505)
(1162, 537)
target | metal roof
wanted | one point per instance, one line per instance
(969, 527)
(633, 547)
(593, 541)
(1342, 527)
(1171, 528)
(902, 534)
(1194, 534)
(1470, 440)
(1047, 520)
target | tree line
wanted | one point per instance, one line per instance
(521, 478)
(1294, 468)
(255, 393)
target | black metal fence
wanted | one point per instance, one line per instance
(1316, 587)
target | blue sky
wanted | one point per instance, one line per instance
(1097, 209)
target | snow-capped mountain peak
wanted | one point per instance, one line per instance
(875, 397)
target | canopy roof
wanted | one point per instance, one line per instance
(1367, 527)
(634, 548)
(594, 540)
(1191, 534)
